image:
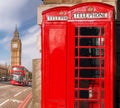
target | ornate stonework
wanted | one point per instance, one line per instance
(16, 49)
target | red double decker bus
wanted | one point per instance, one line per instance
(19, 75)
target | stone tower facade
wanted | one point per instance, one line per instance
(16, 49)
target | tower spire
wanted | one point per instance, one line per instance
(16, 30)
(16, 33)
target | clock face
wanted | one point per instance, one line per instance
(14, 45)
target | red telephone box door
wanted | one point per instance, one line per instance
(54, 93)
(89, 55)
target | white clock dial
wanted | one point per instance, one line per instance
(14, 45)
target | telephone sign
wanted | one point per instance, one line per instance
(90, 15)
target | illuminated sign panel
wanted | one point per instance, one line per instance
(90, 15)
(57, 18)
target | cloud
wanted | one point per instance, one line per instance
(16, 12)
(30, 49)
(4, 40)
(9, 11)
(3, 62)
(5, 43)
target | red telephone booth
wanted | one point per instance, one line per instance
(78, 56)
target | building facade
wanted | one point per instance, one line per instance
(16, 49)
(3, 71)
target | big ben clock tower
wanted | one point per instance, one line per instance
(16, 49)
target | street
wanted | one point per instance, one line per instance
(11, 96)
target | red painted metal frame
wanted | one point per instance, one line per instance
(58, 54)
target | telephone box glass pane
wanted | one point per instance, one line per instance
(89, 42)
(76, 51)
(89, 62)
(76, 31)
(89, 52)
(89, 31)
(102, 30)
(76, 41)
(118, 58)
(89, 73)
(84, 94)
(76, 73)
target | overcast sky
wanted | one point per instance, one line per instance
(24, 14)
